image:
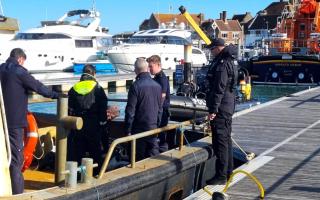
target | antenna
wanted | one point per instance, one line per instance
(94, 5)
(1, 9)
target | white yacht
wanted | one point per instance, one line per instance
(167, 43)
(56, 45)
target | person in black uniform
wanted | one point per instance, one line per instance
(88, 100)
(144, 109)
(220, 99)
(161, 78)
(16, 81)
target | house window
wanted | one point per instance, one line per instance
(301, 35)
(224, 35)
(302, 27)
(235, 35)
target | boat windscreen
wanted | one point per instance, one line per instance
(158, 39)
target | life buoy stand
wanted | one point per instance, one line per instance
(30, 140)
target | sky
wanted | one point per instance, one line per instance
(123, 15)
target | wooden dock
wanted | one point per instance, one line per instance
(285, 134)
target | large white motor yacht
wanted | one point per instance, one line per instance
(56, 45)
(167, 43)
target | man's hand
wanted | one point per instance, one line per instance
(211, 116)
(112, 112)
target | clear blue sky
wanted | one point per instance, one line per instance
(123, 15)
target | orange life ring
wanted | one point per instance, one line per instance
(30, 140)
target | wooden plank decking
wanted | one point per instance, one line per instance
(287, 129)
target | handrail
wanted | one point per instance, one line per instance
(134, 137)
(5, 127)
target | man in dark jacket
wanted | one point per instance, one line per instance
(161, 78)
(88, 100)
(16, 82)
(222, 77)
(143, 110)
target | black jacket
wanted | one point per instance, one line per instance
(162, 79)
(15, 82)
(88, 100)
(144, 107)
(222, 76)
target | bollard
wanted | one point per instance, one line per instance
(71, 174)
(61, 141)
(65, 123)
(87, 170)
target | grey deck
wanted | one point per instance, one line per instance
(288, 130)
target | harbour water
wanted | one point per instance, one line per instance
(261, 93)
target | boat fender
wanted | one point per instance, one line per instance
(245, 89)
(30, 140)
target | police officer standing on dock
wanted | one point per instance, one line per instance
(161, 78)
(16, 81)
(222, 76)
(144, 109)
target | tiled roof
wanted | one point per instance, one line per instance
(276, 8)
(262, 21)
(232, 25)
(242, 18)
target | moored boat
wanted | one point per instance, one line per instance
(56, 45)
(167, 43)
(294, 48)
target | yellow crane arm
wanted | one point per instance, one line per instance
(194, 25)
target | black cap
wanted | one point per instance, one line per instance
(216, 42)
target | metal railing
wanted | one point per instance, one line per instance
(133, 139)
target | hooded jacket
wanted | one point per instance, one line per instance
(88, 100)
(222, 76)
(16, 81)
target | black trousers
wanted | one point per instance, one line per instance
(147, 147)
(222, 145)
(16, 144)
(163, 143)
(80, 143)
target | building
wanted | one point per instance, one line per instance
(264, 23)
(228, 29)
(244, 20)
(8, 28)
(169, 21)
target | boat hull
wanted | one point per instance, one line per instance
(280, 69)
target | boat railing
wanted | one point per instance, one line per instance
(135, 137)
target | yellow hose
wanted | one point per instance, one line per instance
(252, 178)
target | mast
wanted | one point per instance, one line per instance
(1, 9)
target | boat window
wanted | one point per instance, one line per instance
(39, 36)
(176, 40)
(104, 42)
(196, 51)
(141, 32)
(153, 31)
(164, 31)
(83, 43)
(144, 39)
